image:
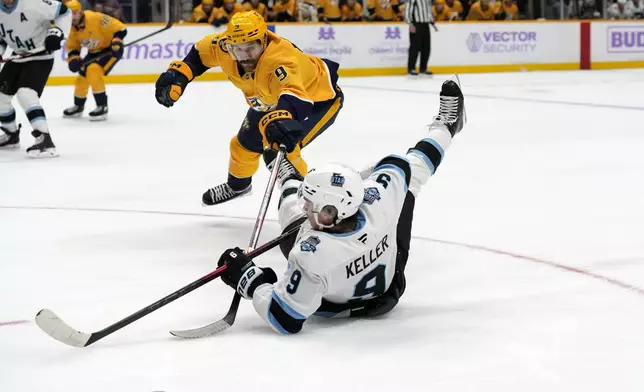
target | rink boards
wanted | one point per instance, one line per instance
(381, 48)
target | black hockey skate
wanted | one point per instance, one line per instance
(73, 111)
(98, 114)
(286, 169)
(221, 194)
(451, 113)
(9, 139)
(43, 146)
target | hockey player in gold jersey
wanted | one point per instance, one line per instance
(293, 96)
(103, 36)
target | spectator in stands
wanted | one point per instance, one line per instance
(637, 7)
(329, 11)
(203, 13)
(256, 5)
(284, 11)
(481, 10)
(440, 11)
(383, 10)
(621, 10)
(588, 10)
(352, 11)
(111, 8)
(455, 9)
(307, 11)
(508, 10)
(222, 15)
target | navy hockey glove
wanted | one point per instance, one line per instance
(54, 37)
(279, 128)
(242, 274)
(74, 63)
(117, 47)
(172, 83)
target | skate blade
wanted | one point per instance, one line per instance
(48, 153)
(77, 115)
(10, 146)
(102, 117)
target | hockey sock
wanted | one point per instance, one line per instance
(101, 99)
(238, 184)
(30, 102)
(7, 113)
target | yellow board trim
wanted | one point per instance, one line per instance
(617, 64)
(211, 76)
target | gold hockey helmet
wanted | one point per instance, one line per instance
(74, 5)
(245, 27)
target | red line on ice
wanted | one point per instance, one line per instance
(14, 322)
(554, 264)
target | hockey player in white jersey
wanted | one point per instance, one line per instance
(349, 256)
(34, 29)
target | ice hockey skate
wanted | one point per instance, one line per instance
(286, 169)
(9, 140)
(98, 114)
(221, 194)
(43, 146)
(73, 111)
(451, 112)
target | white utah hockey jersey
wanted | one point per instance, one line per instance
(351, 266)
(24, 26)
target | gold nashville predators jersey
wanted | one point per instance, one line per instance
(281, 69)
(95, 33)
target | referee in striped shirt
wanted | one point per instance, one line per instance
(418, 15)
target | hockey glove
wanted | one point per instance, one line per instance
(242, 274)
(74, 62)
(117, 48)
(172, 83)
(279, 127)
(54, 37)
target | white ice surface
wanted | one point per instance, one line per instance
(550, 166)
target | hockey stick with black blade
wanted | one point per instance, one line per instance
(136, 41)
(55, 327)
(228, 320)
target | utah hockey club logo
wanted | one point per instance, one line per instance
(309, 244)
(337, 179)
(371, 195)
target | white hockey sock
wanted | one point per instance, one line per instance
(7, 114)
(30, 102)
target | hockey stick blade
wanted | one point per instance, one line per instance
(214, 328)
(53, 326)
(229, 318)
